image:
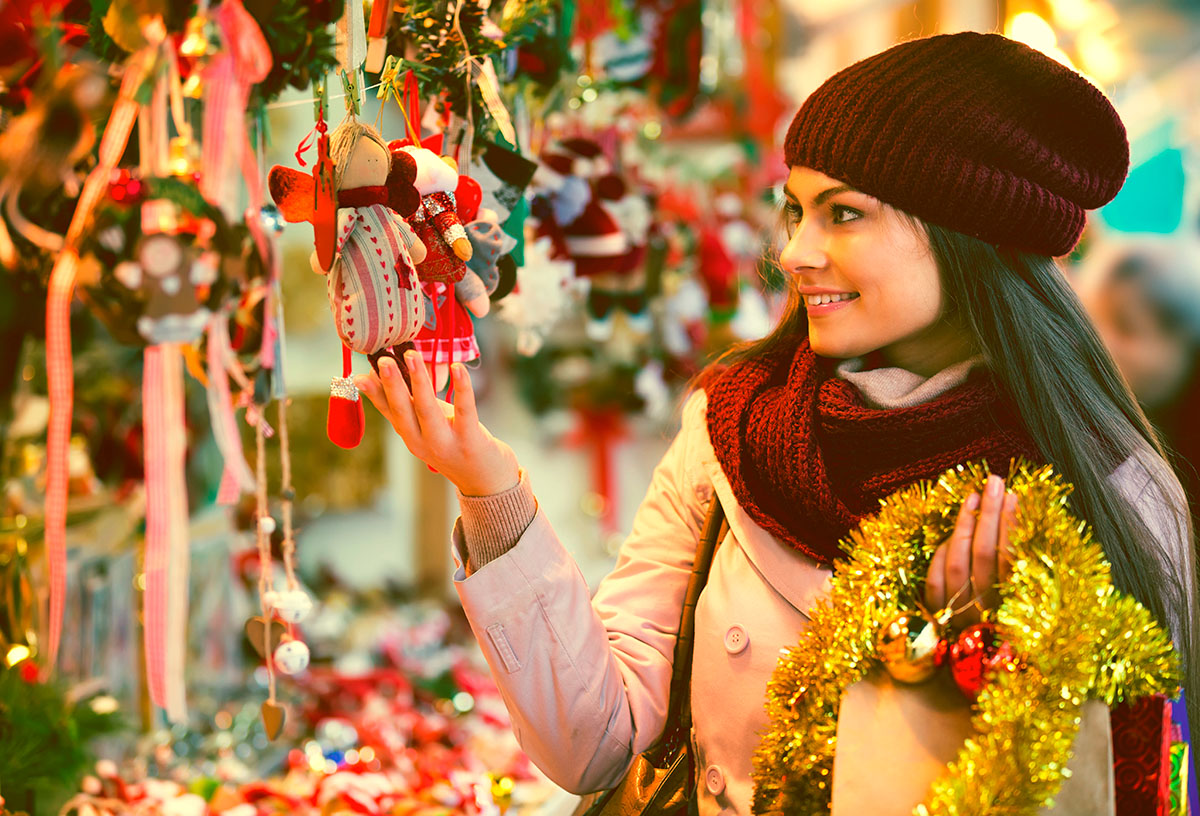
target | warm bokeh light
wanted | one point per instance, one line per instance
(1099, 57)
(17, 653)
(1031, 29)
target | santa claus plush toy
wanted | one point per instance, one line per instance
(597, 221)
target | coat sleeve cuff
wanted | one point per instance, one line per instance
(492, 525)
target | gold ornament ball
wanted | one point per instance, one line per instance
(909, 646)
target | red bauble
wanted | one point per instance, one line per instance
(977, 655)
(125, 189)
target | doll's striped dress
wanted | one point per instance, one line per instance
(373, 290)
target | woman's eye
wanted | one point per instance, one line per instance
(792, 213)
(844, 215)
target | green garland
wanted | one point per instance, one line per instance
(45, 738)
(1078, 638)
(425, 31)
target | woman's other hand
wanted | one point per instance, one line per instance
(967, 569)
(447, 437)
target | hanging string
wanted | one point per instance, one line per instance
(468, 142)
(265, 574)
(294, 102)
(288, 495)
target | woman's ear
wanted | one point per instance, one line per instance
(292, 192)
(402, 194)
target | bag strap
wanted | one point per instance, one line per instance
(679, 710)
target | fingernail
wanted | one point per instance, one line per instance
(387, 369)
(995, 485)
(362, 382)
(972, 502)
(410, 358)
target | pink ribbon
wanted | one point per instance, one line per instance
(59, 367)
(237, 477)
(166, 565)
(245, 60)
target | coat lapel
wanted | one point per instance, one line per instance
(799, 579)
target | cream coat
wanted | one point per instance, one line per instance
(586, 679)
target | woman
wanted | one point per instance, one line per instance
(930, 187)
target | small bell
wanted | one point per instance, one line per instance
(291, 657)
(910, 647)
(291, 605)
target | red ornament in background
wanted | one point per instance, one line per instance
(979, 653)
(29, 671)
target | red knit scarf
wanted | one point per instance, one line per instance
(807, 459)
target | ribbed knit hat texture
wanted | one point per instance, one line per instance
(974, 132)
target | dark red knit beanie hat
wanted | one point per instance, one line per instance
(974, 132)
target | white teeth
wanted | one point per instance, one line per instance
(817, 300)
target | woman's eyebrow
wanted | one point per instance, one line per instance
(825, 195)
(822, 196)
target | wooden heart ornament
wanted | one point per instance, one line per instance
(272, 717)
(254, 633)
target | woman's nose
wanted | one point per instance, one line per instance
(805, 248)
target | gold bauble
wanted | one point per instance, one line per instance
(909, 646)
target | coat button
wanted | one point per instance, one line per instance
(714, 780)
(736, 640)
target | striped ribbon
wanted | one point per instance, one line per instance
(59, 367)
(166, 566)
(237, 478)
(244, 60)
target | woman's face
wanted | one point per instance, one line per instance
(1154, 359)
(868, 279)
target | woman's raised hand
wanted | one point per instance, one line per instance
(966, 570)
(447, 437)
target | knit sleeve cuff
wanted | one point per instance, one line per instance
(492, 525)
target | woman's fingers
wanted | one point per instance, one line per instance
(1008, 522)
(935, 581)
(466, 420)
(399, 402)
(986, 545)
(958, 553)
(430, 415)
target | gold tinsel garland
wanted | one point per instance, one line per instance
(1078, 639)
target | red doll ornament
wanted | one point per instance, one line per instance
(448, 200)
(373, 289)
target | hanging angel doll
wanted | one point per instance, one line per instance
(374, 293)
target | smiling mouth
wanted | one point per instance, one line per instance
(818, 300)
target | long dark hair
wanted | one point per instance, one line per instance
(1043, 351)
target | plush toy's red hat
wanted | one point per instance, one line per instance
(558, 162)
(433, 142)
